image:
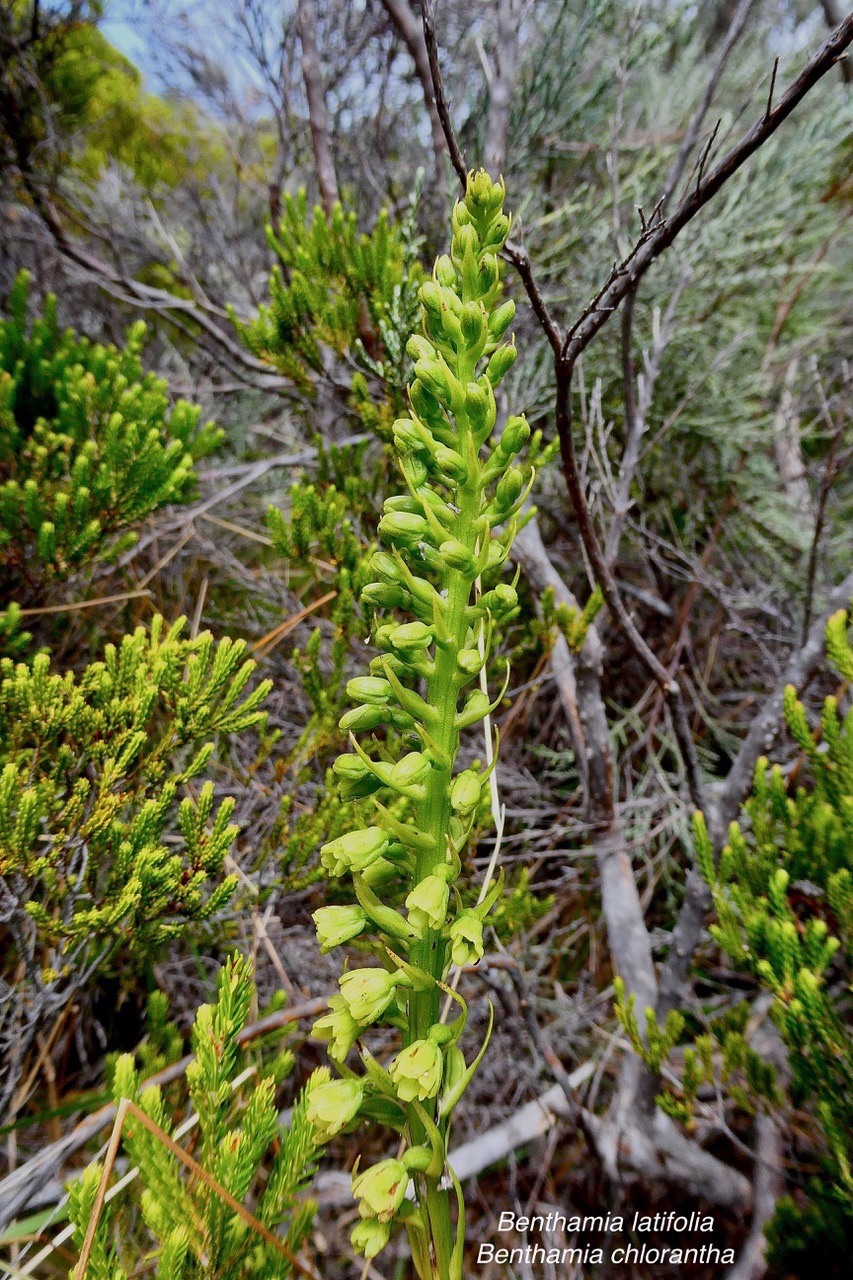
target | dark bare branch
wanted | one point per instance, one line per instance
(689, 140)
(456, 157)
(604, 577)
(624, 275)
(834, 14)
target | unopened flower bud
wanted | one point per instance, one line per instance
(417, 1159)
(457, 556)
(505, 595)
(501, 319)
(416, 470)
(382, 595)
(433, 376)
(361, 719)
(465, 793)
(445, 272)
(412, 769)
(481, 408)
(371, 689)
(509, 488)
(451, 463)
(411, 636)
(332, 1105)
(385, 567)
(465, 241)
(350, 766)
(455, 1067)
(476, 707)
(476, 400)
(354, 778)
(496, 233)
(420, 348)
(483, 196)
(460, 217)
(382, 635)
(469, 661)
(416, 1071)
(407, 437)
(473, 322)
(424, 403)
(403, 527)
(445, 327)
(501, 362)
(497, 554)
(514, 437)
(403, 502)
(431, 297)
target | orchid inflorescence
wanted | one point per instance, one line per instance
(438, 603)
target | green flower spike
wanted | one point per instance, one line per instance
(440, 604)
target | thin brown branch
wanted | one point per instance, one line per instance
(125, 1108)
(610, 591)
(73, 605)
(18, 1187)
(733, 34)
(456, 157)
(624, 275)
(519, 259)
(100, 1195)
(834, 13)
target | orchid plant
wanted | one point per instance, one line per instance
(438, 602)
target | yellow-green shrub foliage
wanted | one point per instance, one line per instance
(98, 852)
(89, 446)
(783, 893)
(185, 1230)
(335, 288)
